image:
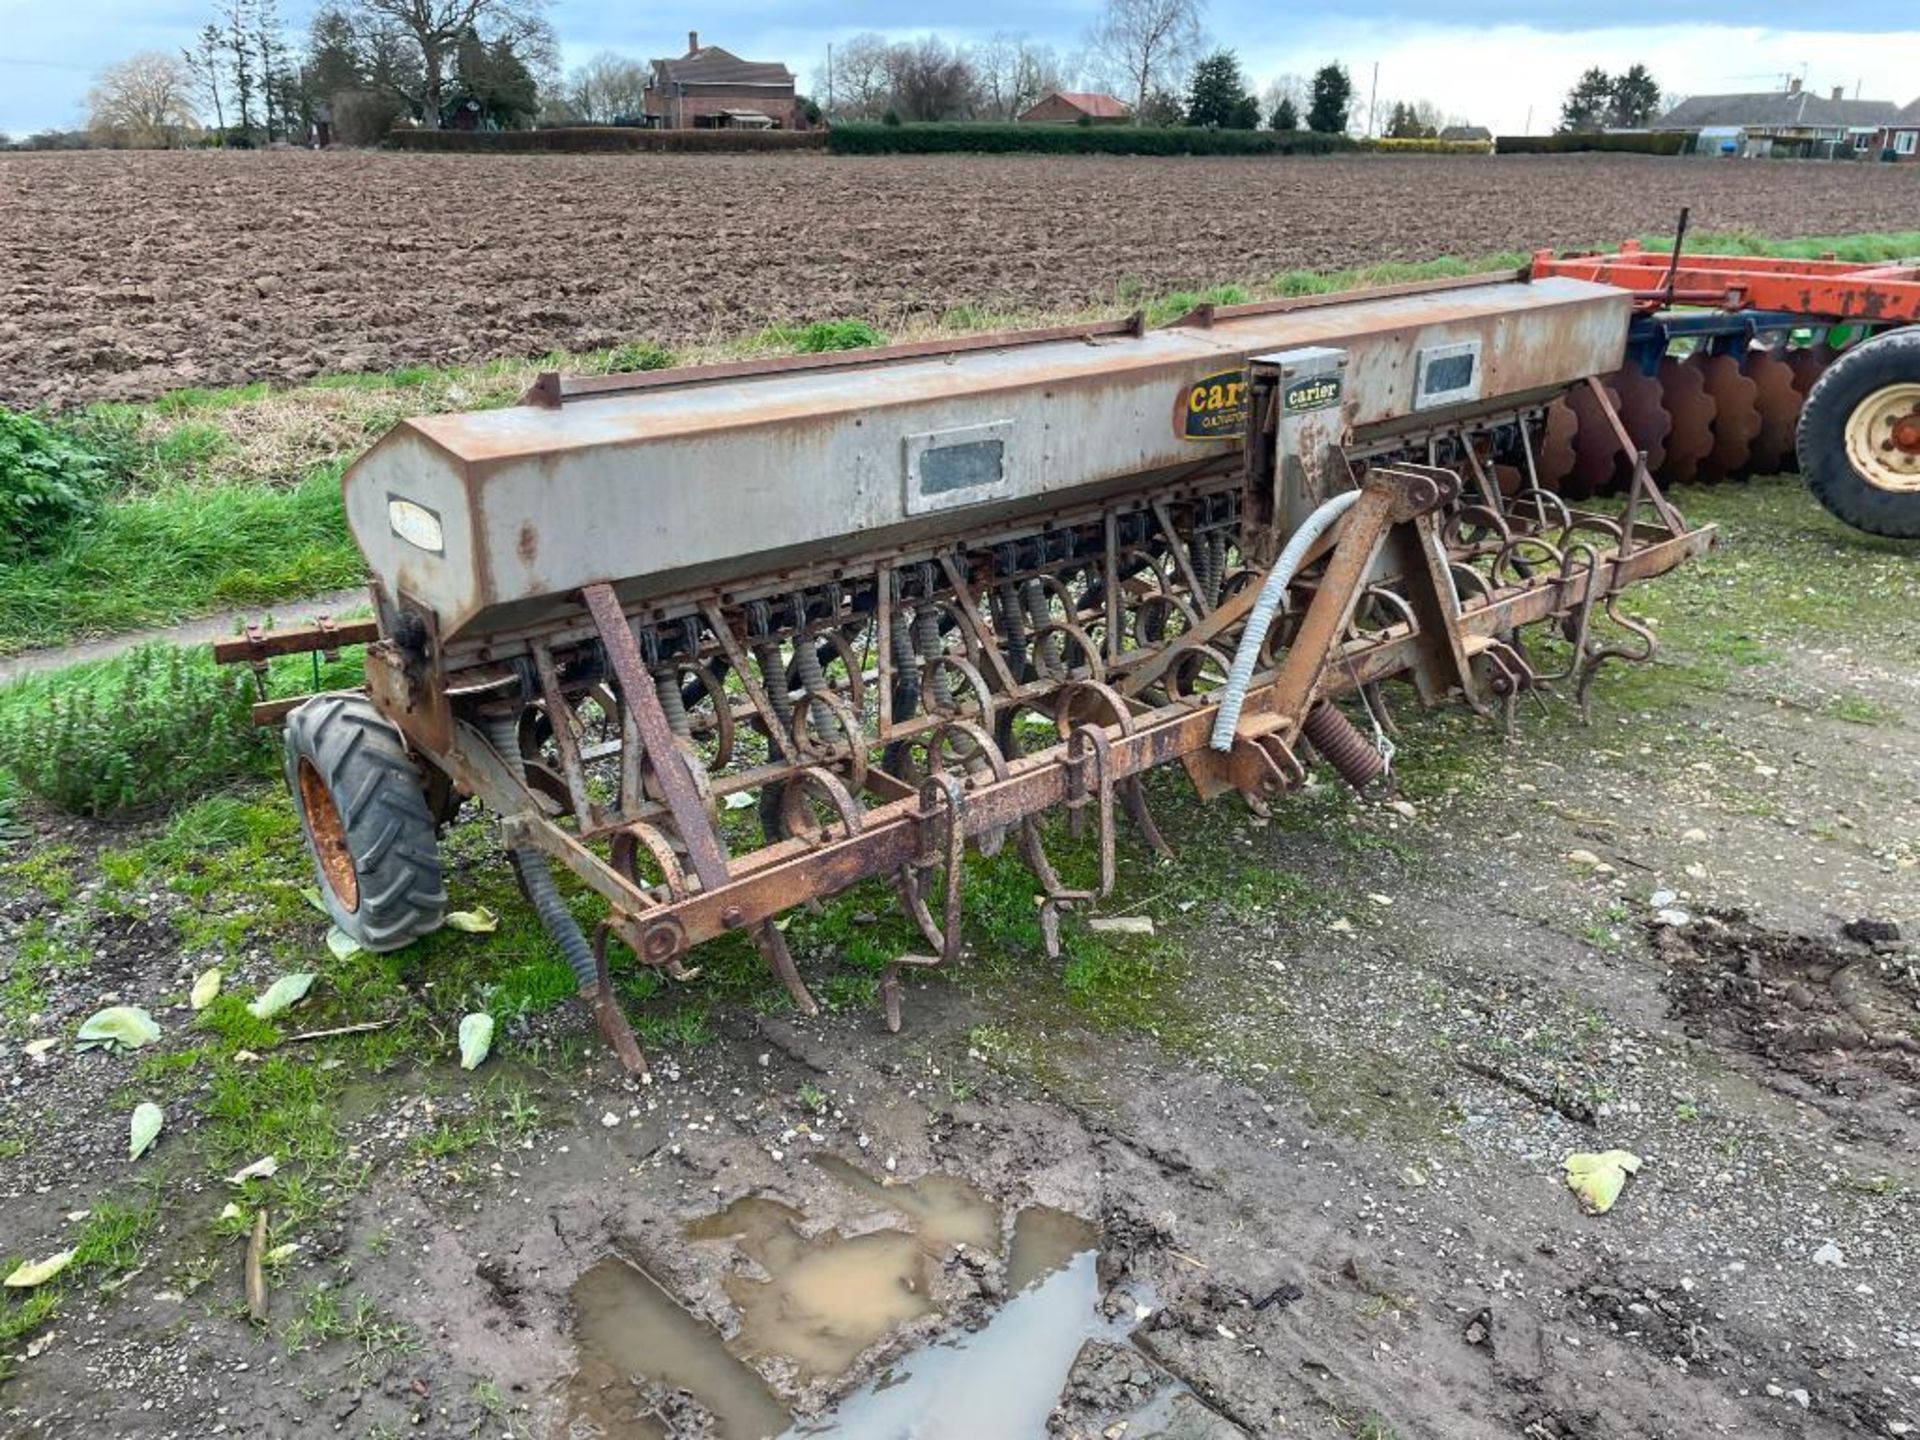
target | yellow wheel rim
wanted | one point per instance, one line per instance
(1883, 438)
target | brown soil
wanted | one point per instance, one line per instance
(130, 275)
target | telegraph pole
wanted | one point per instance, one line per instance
(1373, 101)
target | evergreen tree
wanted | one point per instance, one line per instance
(1633, 98)
(1285, 115)
(1332, 98)
(1216, 96)
(1588, 103)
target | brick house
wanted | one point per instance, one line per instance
(1901, 135)
(710, 88)
(1066, 107)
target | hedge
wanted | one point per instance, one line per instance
(1427, 147)
(601, 138)
(871, 139)
(1641, 144)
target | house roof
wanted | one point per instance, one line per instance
(1803, 109)
(1466, 132)
(710, 65)
(1103, 107)
(1909, 116)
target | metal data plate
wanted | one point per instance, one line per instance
(967, 465)
(1448, 375)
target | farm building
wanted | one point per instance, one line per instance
(710, 88)
(1474, 133)
(1900, 137)
(1791, 122)
(1072, 107)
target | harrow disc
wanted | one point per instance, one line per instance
(1779, 404)
(1596, 448)
(1736, 417)
(1646, 419)
(1555, 460)
(1808, 364)
(1690, 436)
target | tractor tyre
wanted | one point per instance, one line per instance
(368, 828)
(1859, 436)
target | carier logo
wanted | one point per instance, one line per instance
(1214, 408)
(1311, 392)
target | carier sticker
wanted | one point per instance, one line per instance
(1214, 408)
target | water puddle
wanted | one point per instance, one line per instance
(824, 1300)
(637, 1345)
(1001, 1381)
(945, 1210)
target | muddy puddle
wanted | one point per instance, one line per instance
(649, 1369)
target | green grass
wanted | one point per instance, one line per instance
(1859, 248)
(180, 552)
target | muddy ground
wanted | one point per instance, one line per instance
(132, 274)
(1319, 1116)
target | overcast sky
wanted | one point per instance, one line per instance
(1489, 61)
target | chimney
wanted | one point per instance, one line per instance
(1793, 86)
(693, 42)
(1839, 92)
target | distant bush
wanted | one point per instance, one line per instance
(944, 137)
(587, 139)
(49, 482)
(158, 724)
(1638, 144)
(1428, 147)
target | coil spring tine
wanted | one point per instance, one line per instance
(926, 644)
(906, 674)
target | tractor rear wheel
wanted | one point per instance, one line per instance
(1859, 436)
(366, 821)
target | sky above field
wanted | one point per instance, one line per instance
(1495, 62)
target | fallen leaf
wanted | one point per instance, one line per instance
(38, 1048)
(311, 894)
(147, 1120)
(230, 1211)
(256, 1270)
(1584, 857)
(283, 994)
(476, 1039)
(119, 1027)
(343, 945)
(205, 988)
(1597, 1178)
(475, 922)
(282, 1253)
(739, 800)
(38, 1272)
(261, 1169)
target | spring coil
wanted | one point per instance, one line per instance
(1216, 565)
(1008, 620)
(1033, 596)
(1345, 748)
(673, 704)
(813, 681)
(773, 675)
(906, 674)
(926, 644)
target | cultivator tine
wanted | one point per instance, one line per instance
(607, 1013)
(771, 941)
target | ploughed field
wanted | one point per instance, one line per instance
(128, 275)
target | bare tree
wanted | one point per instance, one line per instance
(1147, 43)
(931, 80)
(606, 88)
(1012, 73)
(433, 30)
(861, 81)
(145, 102)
